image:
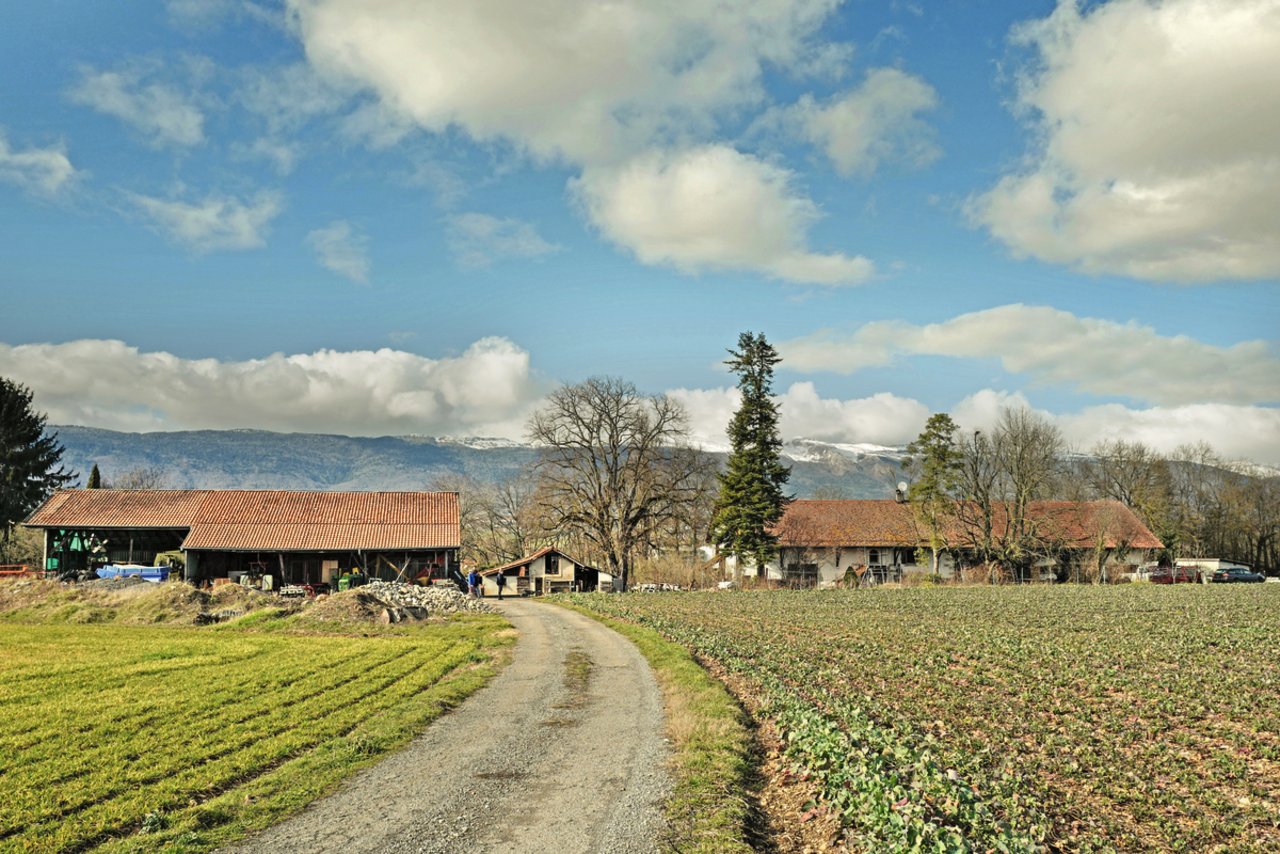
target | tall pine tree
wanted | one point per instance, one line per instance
(29, 459)
(751, 486)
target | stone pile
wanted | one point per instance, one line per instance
(412, 602)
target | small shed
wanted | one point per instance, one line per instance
(548, 570)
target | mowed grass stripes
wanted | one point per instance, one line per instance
(131, 738)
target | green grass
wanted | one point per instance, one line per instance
(1138, 718)
(711, 745)
(125, 738)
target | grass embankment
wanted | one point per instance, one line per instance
(123, 738)
(1137, 718)
(711, 745)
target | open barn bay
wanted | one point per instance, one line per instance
(1133, 718)
(128, 738)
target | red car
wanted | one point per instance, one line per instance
(1174, 575)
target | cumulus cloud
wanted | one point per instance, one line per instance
(629, 92)
(875, 122)
(477, 240)
(43, 171)
(340, 249)
(1056, 347)
(1235, 432)
(882, 419)
(165, 115)
(712, 208)
(1158, 141)
(487, 390)
(559, 79)
(216, 222)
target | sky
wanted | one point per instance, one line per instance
(377, 217)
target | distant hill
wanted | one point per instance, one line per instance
(258, 459)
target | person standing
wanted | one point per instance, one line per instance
(473, 584)
(501, 580)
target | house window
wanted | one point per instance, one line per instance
(800, 574)
(552, 565)
(873, 557)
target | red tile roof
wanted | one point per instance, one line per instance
(119, 508)
(868, 523)
(267, 520)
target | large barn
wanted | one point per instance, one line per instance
(296, 537)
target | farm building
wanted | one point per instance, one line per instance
(548, 570)
(822, 542)
(294, 537)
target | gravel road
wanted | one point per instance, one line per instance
(563, 751)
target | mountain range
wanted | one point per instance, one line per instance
(259, 459)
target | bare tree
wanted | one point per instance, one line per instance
(141, 477)
(499, 520)
(1000, 475)
(615, 468)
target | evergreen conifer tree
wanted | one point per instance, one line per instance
(933, 460)
(95, 478)
(751, 487)
(29, 460)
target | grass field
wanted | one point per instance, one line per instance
(1131, 718)
(126, 738)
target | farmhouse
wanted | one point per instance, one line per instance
(823, 542)
(295, 537)
(548, 570)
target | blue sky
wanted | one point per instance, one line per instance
(384, 217)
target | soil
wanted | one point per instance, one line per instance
(563, 751)
(789, 803)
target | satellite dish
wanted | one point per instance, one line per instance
(902, 486)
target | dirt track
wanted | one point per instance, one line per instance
(562, 752)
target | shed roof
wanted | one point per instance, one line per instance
(267, 520)
(885, 522)
(528, 559)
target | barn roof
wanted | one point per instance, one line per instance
(868, 523)
(266, 520)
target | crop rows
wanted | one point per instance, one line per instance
(106, 726)
(1134, 718)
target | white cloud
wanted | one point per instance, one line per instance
(1235, 432)
(629, 92)
(342, 250)
(477, 240)
(1158, 141)
(487, 390)
(43, 171)
(712, 208)
(875, 122)
(883, 419)
(562, 79)
(217, 222)
(164, 114)
(1056, 347)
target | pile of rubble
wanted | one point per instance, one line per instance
(393, 602)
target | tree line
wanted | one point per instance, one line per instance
(618, 481)
(981, 484)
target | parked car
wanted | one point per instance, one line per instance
(1238, 574)
(1174, 575)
